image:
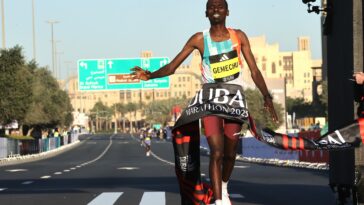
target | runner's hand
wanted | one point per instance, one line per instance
(139, 73)
(268, 105)
(359, 78)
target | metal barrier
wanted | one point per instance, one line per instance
(256, 149)
(252, 148)
(11, 147)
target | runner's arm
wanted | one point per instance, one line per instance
(171, 67)
(256, 74)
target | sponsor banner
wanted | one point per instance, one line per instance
(224, 100)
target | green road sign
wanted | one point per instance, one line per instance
(114, 74)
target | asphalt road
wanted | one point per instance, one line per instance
(113, 169)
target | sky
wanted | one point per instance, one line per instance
(104, 29)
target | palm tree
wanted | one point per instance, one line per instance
(120, 108)
(101, 112)
(131, 108)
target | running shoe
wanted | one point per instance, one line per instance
(225, 198)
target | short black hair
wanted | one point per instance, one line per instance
(226, 3)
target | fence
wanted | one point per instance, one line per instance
(11, 147)
(253, 148)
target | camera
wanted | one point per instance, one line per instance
(308, 1)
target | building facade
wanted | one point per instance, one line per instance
(293, 71)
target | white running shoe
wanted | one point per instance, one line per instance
(148, 153)
(225, 198)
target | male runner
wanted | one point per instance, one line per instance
(220, 48)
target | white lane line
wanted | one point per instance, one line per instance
(102, 154)
(16, 170)
(27, 182)
(57, 173)
(3, 189)
(72, 168)
(128, 168)
(66, 170)
(153, 198)
(236, 196)
(154, 155)
(241, 167)
(162, 160)
(106, 198)
(45, 177)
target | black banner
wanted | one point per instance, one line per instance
(224, 100)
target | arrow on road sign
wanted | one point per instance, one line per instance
(110, 64)
(83, 64)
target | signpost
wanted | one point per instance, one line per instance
(114, 74)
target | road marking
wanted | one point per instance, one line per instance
(45, 177)
(27, 182)
(162, 160)
(3, 189)
(155, 198)
(102, 154)
(91, 143)
(73, 168)
(123, 142)
(16, 170)
(128, 168)
(236, 196)
(241, 167)
(106, 198)
(57, 173)
(66, 170)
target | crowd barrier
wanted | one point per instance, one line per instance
(317, 156)
(253, 148)
(11, 147)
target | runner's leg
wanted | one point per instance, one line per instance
(230, 147)
(214, 134)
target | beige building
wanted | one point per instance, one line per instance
(296, 67)
(276, 66)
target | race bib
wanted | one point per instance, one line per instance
(225, 67)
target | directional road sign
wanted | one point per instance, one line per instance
(114, 74)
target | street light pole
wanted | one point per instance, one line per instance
(33, 20)
(52, 22)
(3, 23)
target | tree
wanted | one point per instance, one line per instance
(51, 106)
(120, 109)
(260, 116)
(101, 114)
(131, 108)
(15, 86)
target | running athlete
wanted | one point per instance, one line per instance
(148, 141)
(220, 48)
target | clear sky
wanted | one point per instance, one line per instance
(97, 29)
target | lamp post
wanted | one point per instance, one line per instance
(33, 24)
(3, 23)
(52, 22)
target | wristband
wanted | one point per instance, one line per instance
(267, 96)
